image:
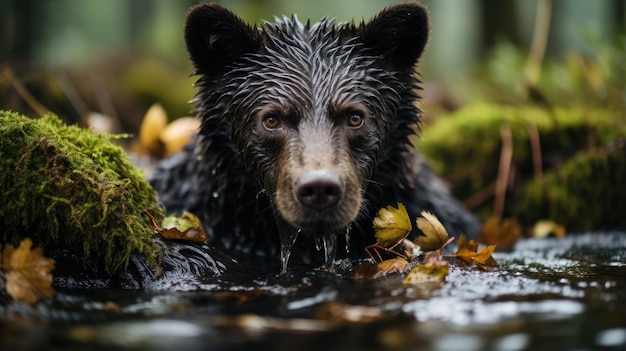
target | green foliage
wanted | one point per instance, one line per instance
(68, 188)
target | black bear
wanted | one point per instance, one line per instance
(305, 134)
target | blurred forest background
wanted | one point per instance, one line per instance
(555, 69)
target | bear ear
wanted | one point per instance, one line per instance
(215, 37)
(398, 35)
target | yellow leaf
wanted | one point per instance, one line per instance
(424, 273)
(392, 225)
(151, 127)
(546, 228)
(435, 235)
(178, 133)
(27, 272)
(188, 227)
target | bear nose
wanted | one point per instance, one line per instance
(319, 189)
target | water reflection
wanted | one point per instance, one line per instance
(561, 294)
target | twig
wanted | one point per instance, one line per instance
(21, 89)
(480, 196)
(504, 169)
(535, 147)
(538, 45)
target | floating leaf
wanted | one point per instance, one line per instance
(435, 235)
(368, 270)
(391, 225)
(27, 272)
(188, 227)
(502, 233)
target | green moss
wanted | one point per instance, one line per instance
(464, 146)
(585, 193)
(68, 188)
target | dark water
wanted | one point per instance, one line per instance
(550, 294)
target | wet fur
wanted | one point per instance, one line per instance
(239, 176)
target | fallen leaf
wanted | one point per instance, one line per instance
(188, 227)
(503, 233)
(468, 253)
(470, 245)
(27, 272)
(179, 133)
(425, 273)
(435, 234)
(391, 225)
(434, 258)
(154, 121)
(367, 270)
(542, 229)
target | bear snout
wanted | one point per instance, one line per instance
(319, 189)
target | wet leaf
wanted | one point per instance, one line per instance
(468, 253)
(392, 225)
(502, 233)
(435, 235)
(368, 270)
(27, 272)
(188, 227)
(426, 273)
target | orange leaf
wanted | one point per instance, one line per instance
(27, 272)
(482, 258)
(484, 254)
(503, 233)
(369, 270)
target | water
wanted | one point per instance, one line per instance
(286, 245)
(549, 294)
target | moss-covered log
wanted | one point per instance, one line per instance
(586, 193)
(464, 147)
(70, 189)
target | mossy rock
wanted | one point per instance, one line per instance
(464, 146)
(70, 189)
(586, 193)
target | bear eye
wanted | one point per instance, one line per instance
(355, 120)
(271, 121)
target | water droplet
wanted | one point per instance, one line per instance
(330, 249)
(348, 239)
(318, 243)
(286, 244)
(215, 194)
